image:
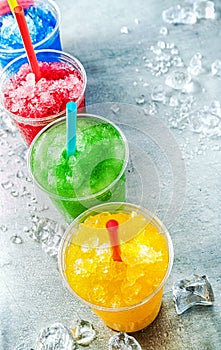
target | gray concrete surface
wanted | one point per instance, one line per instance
(172, 171)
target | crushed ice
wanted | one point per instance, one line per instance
(47, 232)
(189, 13)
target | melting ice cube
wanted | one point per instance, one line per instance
(83, 332)
(178, 80)
(188, 292)
(122, 341)
(55, 337)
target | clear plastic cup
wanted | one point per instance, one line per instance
(51, 41)
(29, 127)
(72, 197)
(89, 272)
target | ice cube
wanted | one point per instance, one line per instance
(83, 332)
(122, 341)
(178, 80)
(195, 290)
(55, 337)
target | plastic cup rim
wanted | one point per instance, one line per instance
(79, 199)
(33, 121)
(36, 45)
(149, 214)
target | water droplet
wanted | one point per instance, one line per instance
(9, 125)
(124, 30)
(3, 228)
(28, 179)
(177, 61)
(170, 45)
(156, 50)
(195, 65)
(148, 64)
(43, 208)
(136, 21)
(158, 93)
(216, 68)
(16, 239)
(215, 108)
(174, 102)
(25, 193)
(140, 100)
(15, 193)
(216, 148)
(7, 185)
(174, 51)
(150, 109)
(11, 153)
(163, 31)
(115, 108)
(161, 44)
(35, 219)
(20, 174)
(34, 200)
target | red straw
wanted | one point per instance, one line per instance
(20, 17)
(112, 227)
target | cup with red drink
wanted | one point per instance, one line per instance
(32, 104)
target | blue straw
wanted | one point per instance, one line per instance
(71, 123)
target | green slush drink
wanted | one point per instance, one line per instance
(94, 174)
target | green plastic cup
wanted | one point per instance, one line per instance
(93, 175)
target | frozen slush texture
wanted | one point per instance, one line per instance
(22, 96)
(98, 161)
(40, 21)
(59, 83)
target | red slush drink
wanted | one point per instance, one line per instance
(33, 104)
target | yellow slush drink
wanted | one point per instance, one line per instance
(126, 294)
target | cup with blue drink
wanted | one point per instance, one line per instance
(43, 20)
